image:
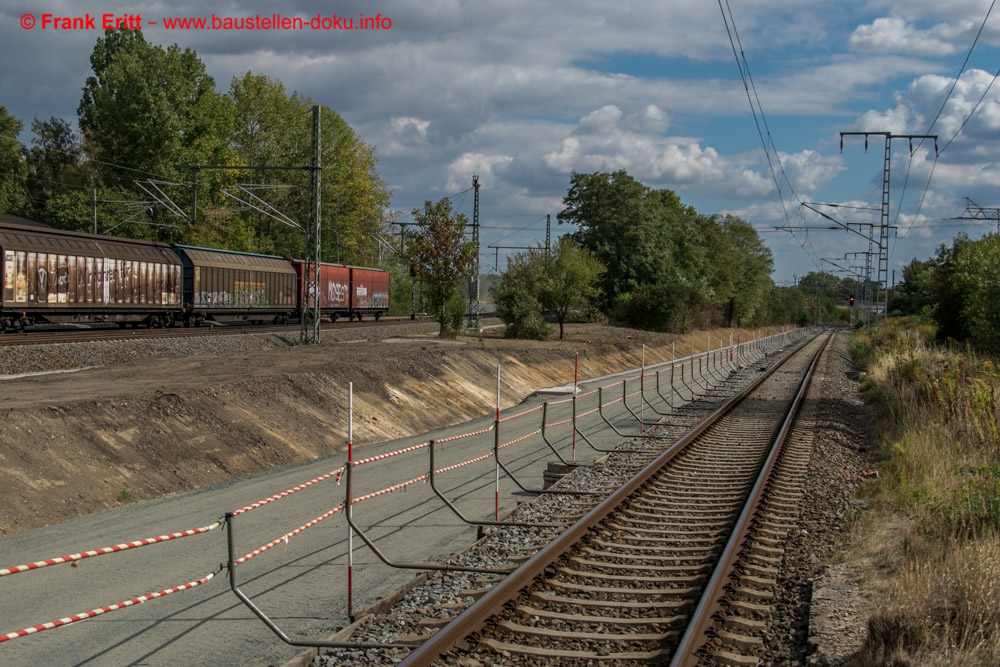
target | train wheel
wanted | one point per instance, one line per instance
(333, 317)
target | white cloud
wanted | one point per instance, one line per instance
(895, 35)
(461, 169)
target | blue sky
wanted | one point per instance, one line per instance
(523, 93)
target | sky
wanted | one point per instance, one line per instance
(737, 106)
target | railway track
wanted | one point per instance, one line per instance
(73, 335)
(677, 566)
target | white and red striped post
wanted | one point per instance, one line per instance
(350, 501)
(642, 389)
(496, 464)
(673, 355)
(576, 380)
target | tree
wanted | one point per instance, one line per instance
(441, 257)
(146, 109)
(554, 282)
(55, 164)
(570, 277)
(748, 263)
(977, 277)
(11, 163)
(912, 295)
(618, 224)
(516, 296)
(949, 292)
(272, 127)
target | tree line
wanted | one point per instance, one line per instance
(152, 124)
(641, 257)
(958, 290)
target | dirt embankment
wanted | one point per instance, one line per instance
(76, 443)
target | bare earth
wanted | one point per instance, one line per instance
(76, 443)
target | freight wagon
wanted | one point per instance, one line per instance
(52, 276)
(225, 286)
(348, 291)
(60, 277)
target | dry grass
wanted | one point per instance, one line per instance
(931, 547)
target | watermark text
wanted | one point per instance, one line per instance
(257, 22)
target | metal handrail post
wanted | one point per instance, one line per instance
(458, 513)
(230, 543)
(413, 566)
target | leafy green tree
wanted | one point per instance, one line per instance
(977, 276)
(570, 278)
(55, 165)
(11, 163)
(661, 254)
(743, 264)
(273, 127)
(146, 109)
(619, 224)
(661, 307)
(912, 295)
(789, 305)
(441, 256)
(949, 292)
(516, 296)
(553, 282)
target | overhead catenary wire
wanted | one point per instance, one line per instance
(748, 84)
(937, 117)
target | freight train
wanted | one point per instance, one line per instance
(52, 276)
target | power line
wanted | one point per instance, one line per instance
(748, 84)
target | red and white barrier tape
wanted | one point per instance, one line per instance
(390, 489)
(523, 437)
(333, 473)
(522, 414)
(125, 546)
(104, 610)
(465, 435)
(284, 538)
(464, 463)
(390, 454)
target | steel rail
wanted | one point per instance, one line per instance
(490, 604)
(702, 619)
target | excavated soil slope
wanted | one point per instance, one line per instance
(76, 443)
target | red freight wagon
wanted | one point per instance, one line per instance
(61, 277)
(348, 291)
(369, 292)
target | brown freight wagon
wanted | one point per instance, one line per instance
(348, 291)
(60, 277)
(225, 286)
